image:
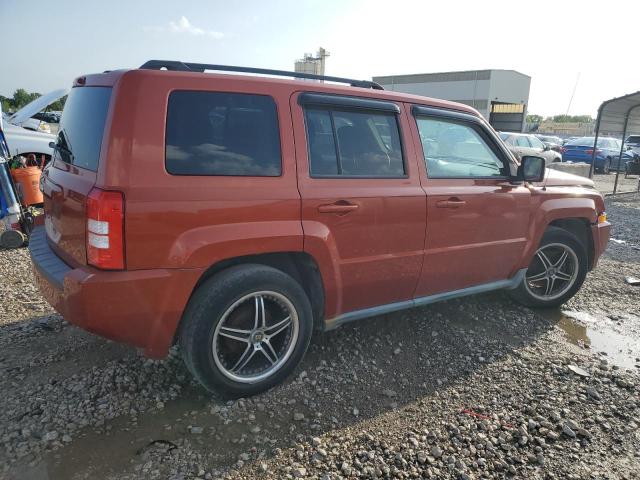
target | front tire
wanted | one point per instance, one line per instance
(245, 330)
(556, 271)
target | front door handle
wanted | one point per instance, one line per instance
(339, 207)
(453, 202)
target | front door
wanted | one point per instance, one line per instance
(363, 208)
(477, 222)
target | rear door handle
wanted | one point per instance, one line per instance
(340, 207)
(451, 203)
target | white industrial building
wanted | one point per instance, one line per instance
(501, 96)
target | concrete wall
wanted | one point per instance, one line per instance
(581, 169)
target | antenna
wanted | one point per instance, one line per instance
(573, 93)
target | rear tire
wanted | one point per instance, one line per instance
(556, 271)
(245, 330)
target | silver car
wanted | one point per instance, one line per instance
(522, 144)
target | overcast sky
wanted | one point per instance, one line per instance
(48, 43)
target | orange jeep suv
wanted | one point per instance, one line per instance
(234, 214)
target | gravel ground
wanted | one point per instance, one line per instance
(473, 388)
(606, 182)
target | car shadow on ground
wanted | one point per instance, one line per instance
(348, 376)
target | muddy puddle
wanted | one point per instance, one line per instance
(109, 452)
(615, 337)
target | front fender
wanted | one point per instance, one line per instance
(550, 209)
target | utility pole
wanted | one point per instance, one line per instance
(573, 93)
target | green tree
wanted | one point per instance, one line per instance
(21, 97)
(6, 103)
(58, 105)
(572, 118)
(532, 118)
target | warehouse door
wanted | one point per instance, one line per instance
(507, 117)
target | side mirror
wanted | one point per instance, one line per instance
(546, 147)
(531, 169)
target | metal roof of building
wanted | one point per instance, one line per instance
(459, 76)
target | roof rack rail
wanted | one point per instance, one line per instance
(201, 67)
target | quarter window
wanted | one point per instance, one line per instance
(215, 133)
(457, 150)
(353, 143)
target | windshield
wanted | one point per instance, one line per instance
(82, 126)
(633, 139)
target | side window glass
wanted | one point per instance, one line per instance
(322, 148)
(216, 133)
(456, 150)
(535, 142)
(353, 143)
(522, 142)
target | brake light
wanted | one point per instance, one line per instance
(563, 149)
(105, 229)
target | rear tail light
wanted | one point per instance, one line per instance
(563, 149)
(105, 229)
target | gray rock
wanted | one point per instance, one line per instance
(299, 472)
(593, 393)
(436, 452)
(50, 436)
(568, 431)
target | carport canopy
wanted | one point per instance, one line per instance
(617, 116)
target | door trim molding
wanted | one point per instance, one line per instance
(508, 284)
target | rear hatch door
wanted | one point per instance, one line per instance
(70, 176)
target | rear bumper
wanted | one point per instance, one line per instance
(600, 234)
(140, 308)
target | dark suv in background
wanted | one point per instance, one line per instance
(633, 142)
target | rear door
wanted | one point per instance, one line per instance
(363, 209)
(72, 173)
(477, 222)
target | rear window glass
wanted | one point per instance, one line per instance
(82, 126)
(582, 141)
(588, 142)
(215, 133)
(633, 139)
